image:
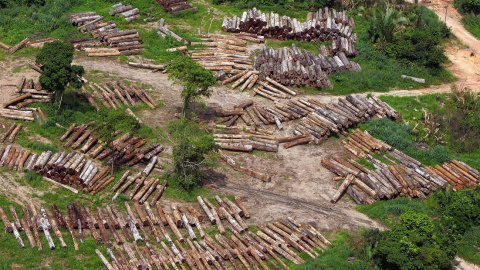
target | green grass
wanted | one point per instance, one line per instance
(410, 109)
(336, 256)
(468, 246)
(389, 211)
(472, 24)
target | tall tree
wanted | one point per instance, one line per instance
(58, 72)
(194, 79)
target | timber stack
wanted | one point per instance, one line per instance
(397, 174)
(125, 42)
(127, 12)
(116, 95)
(323, 120)
(318, 120)
(245, 139)
(223, 55)
(324, 25)
(176, 6)
(29, 92)
(295, 67)
(278, 240)
(125, 149)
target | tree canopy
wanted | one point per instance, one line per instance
(58, 72)
(194, 79)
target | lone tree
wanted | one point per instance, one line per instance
(56, 60)
(194, 79)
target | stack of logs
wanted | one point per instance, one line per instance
(176, 6)
(246, 140)
(123, 150)
(322, 120)
(114, 94)
(30, 92)
(299, 67)
(319, 120)
(124, 42)
(224, 54)
(397, 175)
(127, 12)
(320, 26)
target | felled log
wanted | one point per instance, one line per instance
(348, 180)
(232, 163)
(147, 66)
(20, 45)
(177, 49)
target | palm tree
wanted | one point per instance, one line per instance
(384, 25)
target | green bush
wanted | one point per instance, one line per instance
(467, 6)
(411, 244)
(472, 24)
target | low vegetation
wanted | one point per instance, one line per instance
(472, 24)
(425, 234)
(445, 125)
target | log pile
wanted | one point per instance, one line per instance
(225, 55)
(125, 149)
(397, 174)
(279, 240)
(318, 120)
(237, 139)
(322, 120)
(295, 67)
(72, 169)
(116, 95)
(125, 42)
(324, 25)
(176, 6)
(29, 92)
(130, 14)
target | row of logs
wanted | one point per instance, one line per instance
(123, 42)
(115, 95)
(265, 87)
(127, 12)
(321, 26)
(272, 243)
(322, 120)
(300, 67)
(397, 175)
(176, 6)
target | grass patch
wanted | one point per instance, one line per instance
(389, 211)
(412, 110)
(468, 246)
(336, 256)
(472, 24)
(401, 137)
